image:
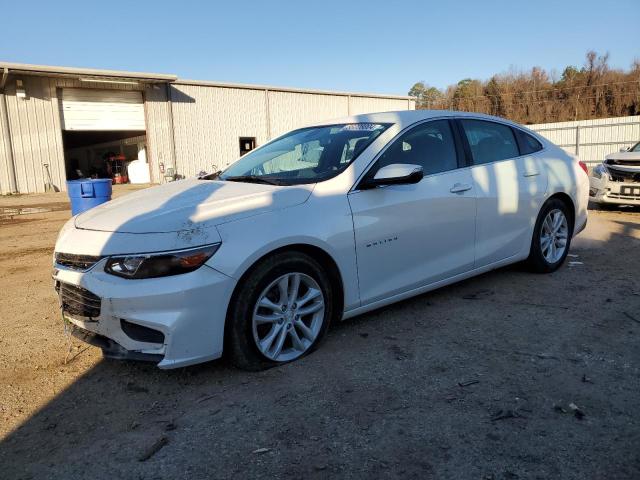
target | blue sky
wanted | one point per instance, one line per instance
(370, 46)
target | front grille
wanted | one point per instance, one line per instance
(622, 176)
(76, 262)
(629, 163)
(78, 301)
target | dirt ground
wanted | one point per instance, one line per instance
(478, 380)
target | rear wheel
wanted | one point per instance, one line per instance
(280, 312)
(551, 237)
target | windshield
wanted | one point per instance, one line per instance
(308, 155)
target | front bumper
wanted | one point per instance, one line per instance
(602, 190)
(187, 311)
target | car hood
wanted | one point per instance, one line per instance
(189, 205)
(624, 161)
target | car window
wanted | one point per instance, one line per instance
(527, 143)
(429, 145)
(635, 148)
(308, 155)
(304, 155)
(489, 141)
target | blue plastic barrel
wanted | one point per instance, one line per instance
(88, 193)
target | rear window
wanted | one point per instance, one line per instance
(489, 141)
(527, 143)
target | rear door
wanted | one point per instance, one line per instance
(510, 188)
(409, 236)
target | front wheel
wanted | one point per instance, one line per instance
(280, 312)
(551, 237)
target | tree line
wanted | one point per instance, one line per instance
(594, 90)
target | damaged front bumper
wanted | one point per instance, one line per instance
(173, 321)
(111, 349)
(610, 185)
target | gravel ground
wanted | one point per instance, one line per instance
(476, 380)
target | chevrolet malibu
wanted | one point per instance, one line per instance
(319, 225)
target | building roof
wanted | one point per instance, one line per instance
(48, 70)
(272, 88)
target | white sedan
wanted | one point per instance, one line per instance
(318, 225)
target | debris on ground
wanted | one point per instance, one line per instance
(261, 450)
(205, 398)
(155, 448)
(577, 411)
(541, 356)
(574, 263)
(586, 379)
(503, 414)
(468, 382)
(559, 409)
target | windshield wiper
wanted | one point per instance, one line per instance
(251, 179)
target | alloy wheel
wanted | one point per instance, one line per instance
(554, 235)
(288, 317)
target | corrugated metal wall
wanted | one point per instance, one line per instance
(34, 123)
(160, 146)
(5, 152)
(209, 119)
(208, 122)
(372, 104)
(592, 140)
(289, 110)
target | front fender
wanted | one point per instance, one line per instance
(246, 241)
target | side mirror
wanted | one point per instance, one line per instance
(395, 174)
(624, 150)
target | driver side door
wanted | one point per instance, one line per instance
(409, 236)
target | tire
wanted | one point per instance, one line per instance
(540, 259)
(244, 334)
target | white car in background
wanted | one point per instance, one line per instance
(318, 225)
(616, 181)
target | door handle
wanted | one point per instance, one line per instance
(460, 188)
(530, 174)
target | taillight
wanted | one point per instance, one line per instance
(584, 167)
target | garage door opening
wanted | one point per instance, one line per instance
(119, 155)
(104, 135)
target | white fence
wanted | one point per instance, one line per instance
(591, 140)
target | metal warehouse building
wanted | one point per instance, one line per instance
(59, 123)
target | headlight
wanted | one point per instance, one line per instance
(160, 264)
(600, 170)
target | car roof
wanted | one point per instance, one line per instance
(404, 118)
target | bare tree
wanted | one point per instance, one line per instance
(592, 91)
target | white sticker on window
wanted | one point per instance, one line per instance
(361, 127)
